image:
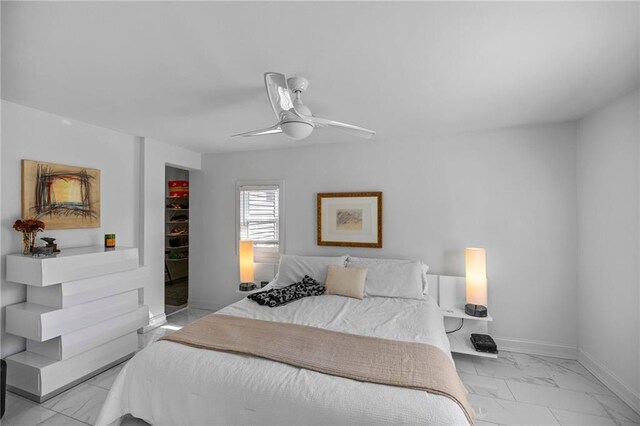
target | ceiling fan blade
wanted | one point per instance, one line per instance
(279, 95)
(349, 128)
(268, 131)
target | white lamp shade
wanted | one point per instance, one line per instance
(476, 271)
(245, 254)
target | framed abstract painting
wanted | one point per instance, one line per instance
(61, 196)
(350, 219)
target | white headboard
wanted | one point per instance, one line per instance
(449, 291)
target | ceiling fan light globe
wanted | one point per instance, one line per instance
(296, 130)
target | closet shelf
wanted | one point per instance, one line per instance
(178, 221)
(177, 235)
(176, 248)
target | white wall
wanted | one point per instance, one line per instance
(132, 192)
(2, 314)
(511, 191)
(156, 155)
(35, 135)
(609, 230)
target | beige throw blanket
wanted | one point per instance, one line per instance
(368, 359)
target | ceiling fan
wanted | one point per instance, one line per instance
(294, 118)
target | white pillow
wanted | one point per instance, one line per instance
(366, 261)
(293, 268)
(393, 279)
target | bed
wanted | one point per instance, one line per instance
(169, 384)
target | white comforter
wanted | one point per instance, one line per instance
(172, 384)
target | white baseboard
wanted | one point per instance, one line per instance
(610, 380)
(155, 322)
(205, 304)
(533, 347)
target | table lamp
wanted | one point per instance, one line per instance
(476, 271)
(245, 255)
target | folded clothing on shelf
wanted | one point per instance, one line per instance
(178, 206)
(179, 230)
(178, 242)
(177, 255)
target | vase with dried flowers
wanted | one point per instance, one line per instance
(29, 229)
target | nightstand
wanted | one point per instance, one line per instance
(247, 292)
(460, 341)
(450, 292)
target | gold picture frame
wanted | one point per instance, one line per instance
(349, 219)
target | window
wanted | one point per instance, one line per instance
(260, 219)
(259, 215)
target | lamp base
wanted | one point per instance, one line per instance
(247, 286)
(475, 310)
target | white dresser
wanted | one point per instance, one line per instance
(81, 317)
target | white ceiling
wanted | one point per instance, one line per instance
(191, 73)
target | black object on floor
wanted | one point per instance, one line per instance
(484, 343)
(177, 293)
(4, 387)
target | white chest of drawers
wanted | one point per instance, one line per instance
(81, 316)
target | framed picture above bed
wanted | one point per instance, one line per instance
(350, 219)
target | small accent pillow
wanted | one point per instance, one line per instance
(360, 262)
(293, 268)
(347, 282)
(394, 279)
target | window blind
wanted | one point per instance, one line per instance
(259, 215)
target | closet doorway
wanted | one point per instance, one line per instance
(176, 241)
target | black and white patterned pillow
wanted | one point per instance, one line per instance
(280, 296)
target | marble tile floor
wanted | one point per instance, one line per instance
(515, 389)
